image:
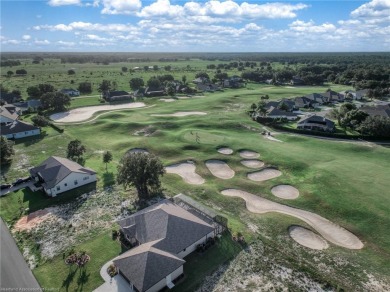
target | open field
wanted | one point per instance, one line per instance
(346, 183)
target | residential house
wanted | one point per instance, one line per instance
(288, 104)
(117, 95)
(303, 102)
(32, 104)
(317, 99)
(18, 130)
(164, 234)
(71, 92)
(379, 110)
(357, 95)
(202, 80)
(9, 97)
(276, 113)
(210, 87)
(149, 92)
(333, 96)
(57, 175)
(233, 82)
(296, 80)
(9, 113)
(316, 123)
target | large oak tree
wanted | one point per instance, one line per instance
(142, 171)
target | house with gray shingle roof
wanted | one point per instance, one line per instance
(57, 175)
(9, 113)
(164, 234)
(18, 130)
(316, 123)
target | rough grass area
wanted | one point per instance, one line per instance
(56, 274)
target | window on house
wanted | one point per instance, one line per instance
(58, 188)
(26, 132)
(75, 182)
(65, 185)
(86, 177)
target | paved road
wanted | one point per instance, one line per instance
(14, 272)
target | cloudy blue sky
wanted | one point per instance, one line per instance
(195, 25)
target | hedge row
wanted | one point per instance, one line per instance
(55, 127)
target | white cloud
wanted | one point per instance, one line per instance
(310, 27)
(121, 6)
(229, 10)
(64, 2)
(161, 8)
(11, 42)
(86, 26)
(42, 42)
(94, 37)
(26, 37)
(68, 44)
(373, 9)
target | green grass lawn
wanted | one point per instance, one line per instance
(56, 274)
(346, 183)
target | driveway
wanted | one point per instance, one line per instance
(15, 275)
(116, 284)
(16, 188)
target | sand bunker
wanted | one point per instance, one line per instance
(180, 114)
(264, 174)
(252, 163)
(285, 192)
(326, 228)
(225, 150)
(187, 171)
(31, 220)
(307, 238)
(219, 169)
(84, 113)
(249, 154)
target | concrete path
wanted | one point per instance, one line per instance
(116, 284)
(15, 188)
(15, 275)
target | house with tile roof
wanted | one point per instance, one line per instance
(164, 234)
(57, 175)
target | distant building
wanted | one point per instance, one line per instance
(379, 110)
(297, 81)
(70, 92)
(33, 104)
(117, 95)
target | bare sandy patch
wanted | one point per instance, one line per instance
(272, 138)
(84, 113)
(264, 174)
(220, 169)
(285, 192)
(307, 238)
(167, 99)
(187, 171)
(252, 163)
(249, 154)
(329, 230)
(33, 219)
(189, 97)
(225, 150)
(180, 114)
